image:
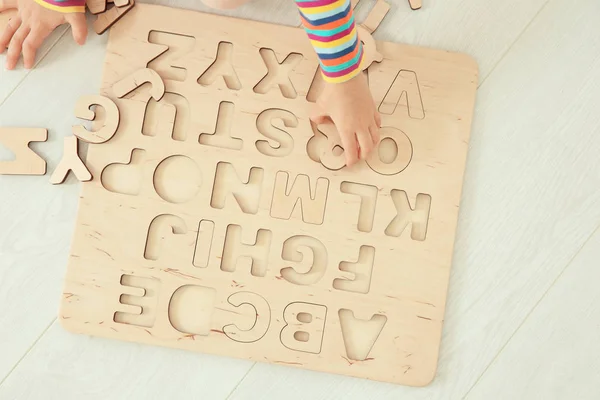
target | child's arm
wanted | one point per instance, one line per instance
(346, 99)
(35, 20)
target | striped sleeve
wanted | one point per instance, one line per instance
(332, 32)
(63, 6)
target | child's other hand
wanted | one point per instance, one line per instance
(26, 32)
(350, 106)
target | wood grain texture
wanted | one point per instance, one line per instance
(96, 6)
(24, 160)
(106, 121)
(555, 354)
(367, 311)
(529, 203)
(554, 223)
(111, 16)
(70, 163)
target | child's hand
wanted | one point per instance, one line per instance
(350, 106)
(31, 26)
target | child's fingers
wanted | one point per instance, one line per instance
(320, 119)
(12, 26)
(366, 144)
(350, 147)
(374, 131)
(16, 45)
(78, 26)
(378, 119)
(33, 42)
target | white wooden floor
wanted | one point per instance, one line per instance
(523, 319)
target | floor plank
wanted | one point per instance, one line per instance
(64, 366)
(555, 355)
(9, 80)
(496, 208)
(36, 217)
(531, 199)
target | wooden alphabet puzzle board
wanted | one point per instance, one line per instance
(220, 220)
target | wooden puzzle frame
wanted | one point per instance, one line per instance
(221, 220)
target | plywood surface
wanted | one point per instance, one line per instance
(219, 220)
(25, 161)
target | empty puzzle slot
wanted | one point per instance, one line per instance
(253, 253)
(299, 199)
(253, 311)
(135, 85)
(177, 179)
(362, 270)
(360, 335)
(368, 203)
(160, 234)
(405, 215)
(139, 300)
(169, 117)
(204, 240)
(310, 257)
(404, 92)
(246, 193)
(222, 135)
(325, 147)
(191, 309)
(278, 74)
(167, 63)
(222, 67)
(125, 178)
(314, 145)
(272, 124)
(316, 87)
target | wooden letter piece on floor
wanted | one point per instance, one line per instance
(70, 162)
(377, 14)
(96, 6)
(26, 162)
(415, 4)
(109, 126)
(109, 17)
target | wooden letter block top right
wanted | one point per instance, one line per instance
(221, 220)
